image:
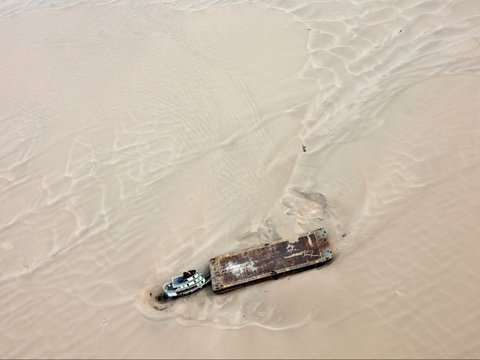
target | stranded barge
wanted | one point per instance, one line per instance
(255, 264)
(269, 261)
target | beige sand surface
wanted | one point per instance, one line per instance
(142, 138)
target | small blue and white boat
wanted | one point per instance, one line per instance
(185, 284)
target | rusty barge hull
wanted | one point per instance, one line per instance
(270, 261)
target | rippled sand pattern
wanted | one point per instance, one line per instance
(139, 139)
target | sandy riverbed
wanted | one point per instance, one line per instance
(139, 139)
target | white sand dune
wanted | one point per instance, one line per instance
(142, 138)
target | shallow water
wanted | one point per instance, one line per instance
(140, 139)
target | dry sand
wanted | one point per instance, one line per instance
(142, 138)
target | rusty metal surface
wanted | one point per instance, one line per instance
(269, 261)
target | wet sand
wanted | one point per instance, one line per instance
(139, 140)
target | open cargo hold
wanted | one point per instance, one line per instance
(269, 261)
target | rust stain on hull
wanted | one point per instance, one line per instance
(269, 261)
